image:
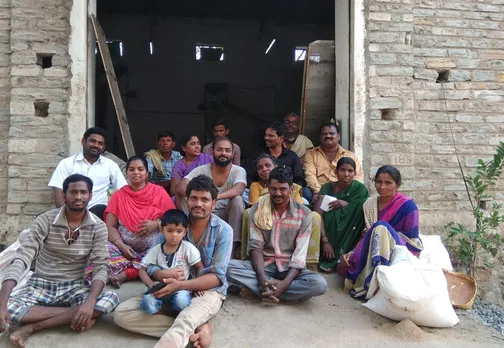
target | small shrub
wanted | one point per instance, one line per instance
(475, 244)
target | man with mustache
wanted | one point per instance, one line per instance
(220, 129)
(294, 141)
(274, 137)
(61, 242)
(280, 230)
(104, 172)
(230, 180)
(319, 163)
(213, 238)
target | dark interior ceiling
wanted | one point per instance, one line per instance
(283, 12)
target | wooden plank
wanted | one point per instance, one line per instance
(303, 91)
(342, 58)
(114, 88)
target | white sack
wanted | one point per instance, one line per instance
(6, 258)
(409, 289)
(434, 252)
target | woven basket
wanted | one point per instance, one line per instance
(462, 289)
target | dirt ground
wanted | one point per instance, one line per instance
(332, 320)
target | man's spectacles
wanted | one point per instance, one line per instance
(291, 123)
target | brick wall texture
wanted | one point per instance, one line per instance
(30, 145)
(412, 45)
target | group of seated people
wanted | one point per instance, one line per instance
(186, 253)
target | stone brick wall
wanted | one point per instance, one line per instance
(37, 140)
(5, 45)
(413, 45)
(437, 67)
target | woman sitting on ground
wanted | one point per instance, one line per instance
(192, 157)
(344, 222)
(133, 219)
(265, 164)
(391, 219)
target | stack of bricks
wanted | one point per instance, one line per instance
(39, 94)
(432, 63)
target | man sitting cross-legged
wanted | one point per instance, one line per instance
(280, 230)
(214, 239)
(61, 241)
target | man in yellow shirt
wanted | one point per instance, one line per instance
(319, 163)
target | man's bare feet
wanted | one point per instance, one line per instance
(117, 280)
(245, 293)
(202, 338)
(19, 336)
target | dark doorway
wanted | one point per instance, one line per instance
(182, 64)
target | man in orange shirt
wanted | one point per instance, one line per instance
(319, 163)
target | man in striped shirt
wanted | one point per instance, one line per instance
(280, 231)
(61, 241)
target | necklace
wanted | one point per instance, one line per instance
(71, 237)
(291, 140)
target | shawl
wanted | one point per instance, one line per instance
(301, 144)
(157, 161)
(131, 207)
(263, 217)
(295, 195)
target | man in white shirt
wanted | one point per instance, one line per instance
(230, 180)
(104, 172)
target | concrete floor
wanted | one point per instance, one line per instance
(333, 320)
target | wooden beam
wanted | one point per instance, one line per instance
(114, 88)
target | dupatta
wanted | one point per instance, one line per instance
(131, 207)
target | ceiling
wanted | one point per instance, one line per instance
(279, 11)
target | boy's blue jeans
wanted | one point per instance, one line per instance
(177, 302)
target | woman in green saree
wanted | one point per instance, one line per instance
(344, 222)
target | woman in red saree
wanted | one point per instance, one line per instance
(133, 217)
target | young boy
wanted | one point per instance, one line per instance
(175, 257)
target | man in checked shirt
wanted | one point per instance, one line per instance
(280, 230)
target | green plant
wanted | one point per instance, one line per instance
(478, 242)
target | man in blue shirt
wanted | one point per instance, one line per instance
(214, 239)
(160, 161)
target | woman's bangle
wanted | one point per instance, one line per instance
(158, 224)
(115, 240)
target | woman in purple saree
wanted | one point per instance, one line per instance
(391, 219)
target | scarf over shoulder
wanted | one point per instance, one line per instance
(157, 161)
(263, 218)
(131, 207)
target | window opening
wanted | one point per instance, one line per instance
(210, 53)
(115, 47)
(44, 60)
(300, 53)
